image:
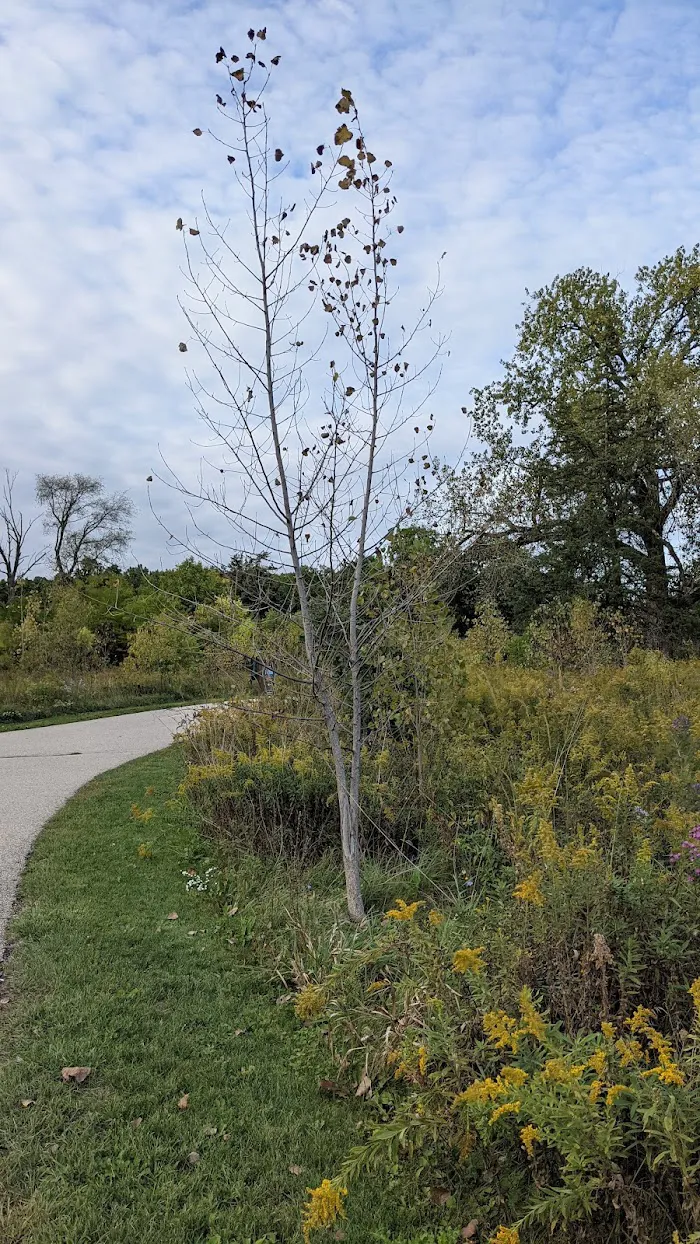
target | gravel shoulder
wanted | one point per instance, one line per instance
(41, 768)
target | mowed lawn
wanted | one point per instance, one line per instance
(161, 1010)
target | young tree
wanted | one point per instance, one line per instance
(324, 450)
(15, 560)
(85, 522)
(605, 481)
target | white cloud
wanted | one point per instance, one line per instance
(529, 137)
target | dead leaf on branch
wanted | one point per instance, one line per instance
(364, 1088)
(77, 1074)
(198, 132)
(278, 154)
(183, 350)
(238, 74)
(178, 222)
(342, 135)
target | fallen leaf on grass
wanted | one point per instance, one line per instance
(296, 1170)
(333, 1089)
(440, 1196)
(469, 1231)
(184, 1102)
(4, 1001)
(240, 1032)
(77, 1074)
(193, 1157)
(232, 911)
(364, 1088)
(28, 1101)
(137, 1122)
(173, 916)
(210, 1131)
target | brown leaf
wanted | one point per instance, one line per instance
(233, 911)
(173, 914)
(251, 34)
(183, 350)
(238, 74)
(178, 222)
(296, 1170)
(78, 1074)
(440, 1196)
(184, 1102)
(4, 1001)
(364, 1088)
(198, 132)
(28, 1101)
(220, 55)
(469, 1231)
(399, 228)
(342, 135)
(275, 60)
(137, 1122)
(231, 159)
(332, 1089)
(210, 1131)
(193, 1157)
(278, 154)
(194, 232)
(262, 34)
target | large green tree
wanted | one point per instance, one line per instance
(592, 437)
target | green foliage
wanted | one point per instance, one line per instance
(605, 483)
(164, 646)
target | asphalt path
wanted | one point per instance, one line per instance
(42, 767)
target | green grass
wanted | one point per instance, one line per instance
(157, 1008)
(61, 719)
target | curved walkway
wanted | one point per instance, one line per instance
(41, 768)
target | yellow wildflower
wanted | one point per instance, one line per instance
(435, 918)
(324, 1207)
(694, 992)
(629, 1051)
(558, 1071)
(639, 1022)
(598, 1062)
(467, 960)
(529, 1135)
(582, 857)
(614, 1092)
(513, 1076)
(310, 1002)
(645, 853)
(422, 1059)
(608, 1030)
(595, 1091)
(533, 1024)
(670, 1074)
(528, 891)
(506, 1235)
(481, 1091)
(501, 1030)
(508, 1107)
(403, 910)
(392, 1057)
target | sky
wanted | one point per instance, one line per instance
(528, 138)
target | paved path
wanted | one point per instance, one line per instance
(41, 768)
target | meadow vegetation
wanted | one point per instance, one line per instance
(520, 1010)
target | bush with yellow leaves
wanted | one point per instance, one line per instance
(538, 1134)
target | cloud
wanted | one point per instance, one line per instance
(529, 137)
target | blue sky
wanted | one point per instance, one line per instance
(529, 137)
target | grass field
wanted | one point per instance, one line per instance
(159, 1009)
